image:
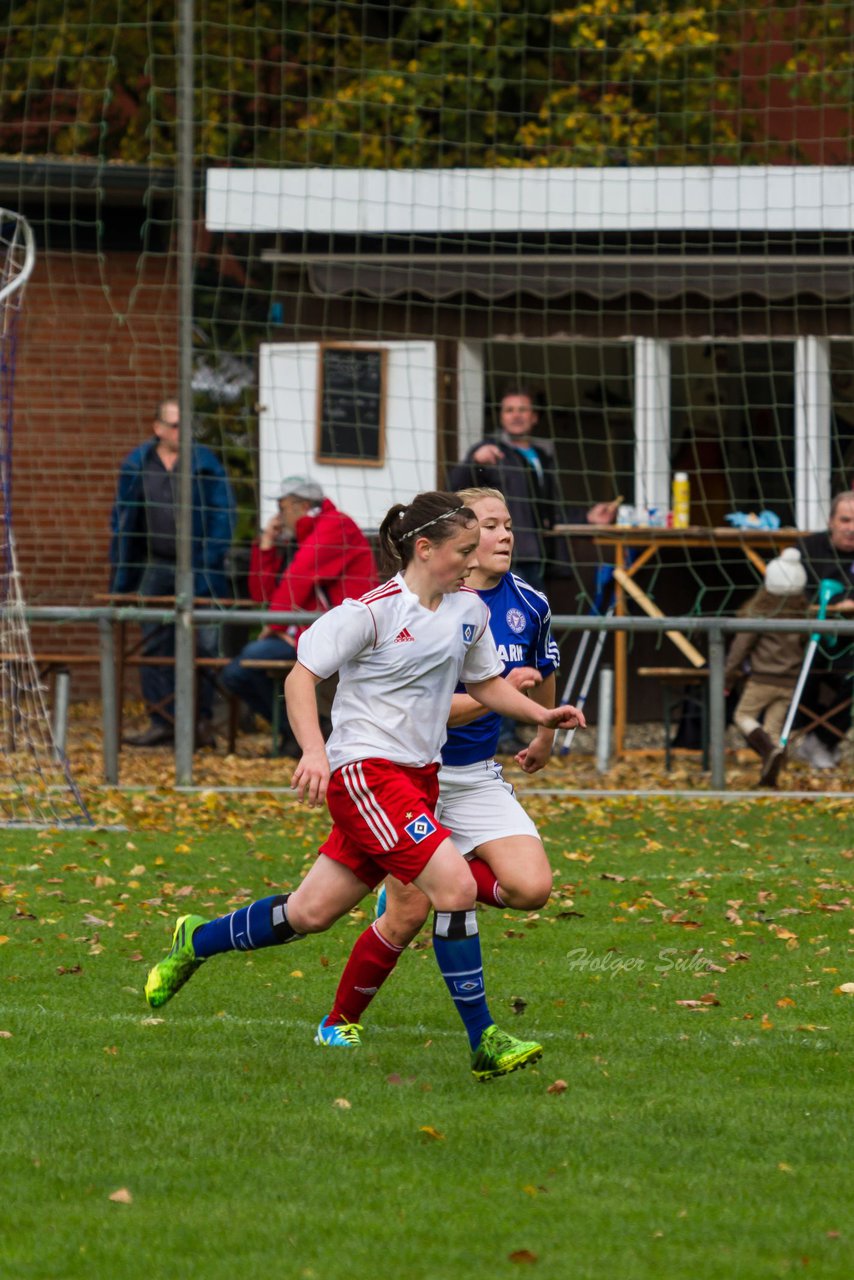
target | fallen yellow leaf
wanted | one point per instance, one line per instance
(785, 934)
(430, 1132)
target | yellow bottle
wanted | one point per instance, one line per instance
(681, 500)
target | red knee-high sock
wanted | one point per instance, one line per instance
(488, 890)
(371, 961)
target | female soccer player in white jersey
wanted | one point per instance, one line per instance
(488, 825)
(400, 651)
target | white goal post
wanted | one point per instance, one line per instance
(36, 786)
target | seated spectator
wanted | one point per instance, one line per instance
(331, 560)
(830, 554)
(524, 469)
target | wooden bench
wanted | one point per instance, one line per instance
(210, 667)
(675, 684)
(273, 667)
(48, 667)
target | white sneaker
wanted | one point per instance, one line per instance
(811, 750)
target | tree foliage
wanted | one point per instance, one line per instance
(419, 82)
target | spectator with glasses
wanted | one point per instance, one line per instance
(143, 558)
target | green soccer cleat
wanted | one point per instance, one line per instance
(499, 1053)
(177, 967)
(339, 1035)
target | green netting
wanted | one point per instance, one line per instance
(683, 303)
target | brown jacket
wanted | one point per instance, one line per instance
(774, 657)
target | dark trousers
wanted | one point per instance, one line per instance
(158, 683)
(252, 684)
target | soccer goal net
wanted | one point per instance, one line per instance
(36, 787)
(635, 216)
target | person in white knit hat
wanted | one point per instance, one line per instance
(771, 661)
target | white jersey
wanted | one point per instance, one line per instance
(399, 664)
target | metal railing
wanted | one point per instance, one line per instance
(715, 628)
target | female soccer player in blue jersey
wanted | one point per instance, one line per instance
(489, 826)
(400, 652)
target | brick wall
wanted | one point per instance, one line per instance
(97, 349)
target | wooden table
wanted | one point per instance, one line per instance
(647, 542)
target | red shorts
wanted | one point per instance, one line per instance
(384, 819)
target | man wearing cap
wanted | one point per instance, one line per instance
(332, 560)
(143, 551)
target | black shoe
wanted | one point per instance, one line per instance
(156, 735)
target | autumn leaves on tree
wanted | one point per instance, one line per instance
(462, 83)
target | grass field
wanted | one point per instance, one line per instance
(704, 1140)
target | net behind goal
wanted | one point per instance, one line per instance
(638, 214)
(36, 787)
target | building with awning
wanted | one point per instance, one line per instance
(698, 317)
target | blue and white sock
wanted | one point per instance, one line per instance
(456, 944)
(262, 924)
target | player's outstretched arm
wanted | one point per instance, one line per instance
(464, 708)
(499, 696)
(536, 755)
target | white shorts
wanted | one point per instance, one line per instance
(478, 804)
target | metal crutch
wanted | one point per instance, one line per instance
(588, 681)
(604, 578)
(827, 589)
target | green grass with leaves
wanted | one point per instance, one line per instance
(708, 1139)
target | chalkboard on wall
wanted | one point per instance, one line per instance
(351, 405)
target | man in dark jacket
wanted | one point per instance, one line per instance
(143, 557)
(524, 469)
(830, 554)
(331, 560)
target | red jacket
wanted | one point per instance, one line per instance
(333, 560)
